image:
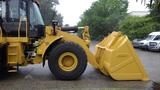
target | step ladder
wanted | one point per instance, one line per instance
(15, 54)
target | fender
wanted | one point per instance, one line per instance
(51, 39)
(46, 42)
(73, 38)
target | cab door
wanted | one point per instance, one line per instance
(15, 23)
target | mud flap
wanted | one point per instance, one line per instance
(117, 58)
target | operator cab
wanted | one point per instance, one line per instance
(21, 18)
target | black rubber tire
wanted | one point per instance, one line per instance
(146, 48)
(60, 49)
(3, 72)
(3, 62)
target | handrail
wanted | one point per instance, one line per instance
(26, 27)
(19, 26)
(1, 33)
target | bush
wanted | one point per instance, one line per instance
(138, 27)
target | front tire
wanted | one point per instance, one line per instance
(146, 48)
(67, 61)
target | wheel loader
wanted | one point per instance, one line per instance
(24, 39)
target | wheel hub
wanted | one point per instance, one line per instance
(68, 61)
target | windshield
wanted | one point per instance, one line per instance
(150, 37)
(35, 15)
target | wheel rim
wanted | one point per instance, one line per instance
(68, 61)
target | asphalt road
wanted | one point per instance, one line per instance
(35, 77)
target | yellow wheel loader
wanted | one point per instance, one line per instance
(24, 39)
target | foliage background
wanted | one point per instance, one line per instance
(103, 17)
(48, 11)
(138, 27)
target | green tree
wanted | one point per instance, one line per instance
(154, 7)
(59, 18)
(155, 11)
(103, 17)
(151, 1)
(47, 8)
(138, 27)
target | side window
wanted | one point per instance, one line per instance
(157, 37)
(13, 10)
(23, 11)
(0, 8)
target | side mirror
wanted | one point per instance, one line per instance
(54, 24)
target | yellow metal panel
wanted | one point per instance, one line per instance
(116, 57)
(2, 39)
(86, 35)
(47, 41)
(17, 39)
(37, 60)
(15, 54)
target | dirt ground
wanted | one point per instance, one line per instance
(35, 77)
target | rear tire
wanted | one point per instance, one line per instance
(61, 49)
(3, 62)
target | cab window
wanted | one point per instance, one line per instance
(13, 10)
(35, 15)
(23, 11)
(2, 9)
(157, 37)
(17, 10)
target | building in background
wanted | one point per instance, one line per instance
(139, 13)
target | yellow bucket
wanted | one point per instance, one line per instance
(117, 58)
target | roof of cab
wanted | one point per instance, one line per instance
(155, 33)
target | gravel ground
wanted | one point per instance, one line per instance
(35, 77)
